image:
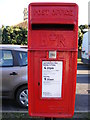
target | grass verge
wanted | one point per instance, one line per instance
(25, 116)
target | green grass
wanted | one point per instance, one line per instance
(25, 116)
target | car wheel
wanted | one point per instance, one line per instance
(22, 96)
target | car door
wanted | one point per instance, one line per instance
(9, 71)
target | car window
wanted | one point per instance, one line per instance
(23, 57)
(6, 58)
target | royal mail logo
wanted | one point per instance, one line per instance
(52, 38)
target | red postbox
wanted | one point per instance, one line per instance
(52, 58)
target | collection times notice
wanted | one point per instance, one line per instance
(52, 79)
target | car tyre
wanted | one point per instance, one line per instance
(22, 96)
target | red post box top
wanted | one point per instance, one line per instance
(53, 26)
(53, 13)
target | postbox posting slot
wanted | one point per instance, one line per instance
(53, 27)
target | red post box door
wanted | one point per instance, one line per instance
(52, 84)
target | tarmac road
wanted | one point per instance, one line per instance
(82, 93)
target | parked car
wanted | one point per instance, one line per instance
(13, 66)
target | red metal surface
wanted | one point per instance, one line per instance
(52, 26)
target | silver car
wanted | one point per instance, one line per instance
(13, 69)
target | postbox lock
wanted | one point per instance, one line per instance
(52, 54)
(38, 83)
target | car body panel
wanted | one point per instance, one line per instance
(11, 82)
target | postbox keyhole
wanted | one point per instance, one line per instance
(38, 83)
